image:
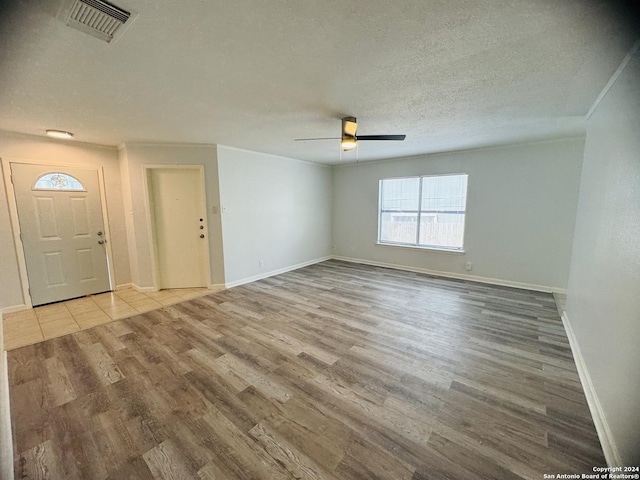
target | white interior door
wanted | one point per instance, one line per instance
(177, 201)
(61, 226)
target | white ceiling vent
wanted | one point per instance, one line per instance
(98, 18)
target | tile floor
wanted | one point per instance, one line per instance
(41, 323)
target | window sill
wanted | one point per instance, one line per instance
(416, 247)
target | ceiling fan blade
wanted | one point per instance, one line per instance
(320, 138)
(381, 137)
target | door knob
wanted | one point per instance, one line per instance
(202, 235)
(99, 234)
(100, 242)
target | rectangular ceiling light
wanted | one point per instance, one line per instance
(98, 18)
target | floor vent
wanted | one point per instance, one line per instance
(98, 18)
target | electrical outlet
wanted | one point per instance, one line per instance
(260, 263)
(468, 266)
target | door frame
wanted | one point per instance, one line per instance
(151, 228)
(15, 223)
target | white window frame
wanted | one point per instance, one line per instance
(419, 214)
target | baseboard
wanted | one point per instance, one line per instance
(609, 448)
(6, 438)
(123, 286)
(211, 286)
(459, 276)
(143, 289)
(15, 308)
(271, 273)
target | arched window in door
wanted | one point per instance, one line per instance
(58, 181)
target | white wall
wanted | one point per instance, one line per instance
(133, 158)
(27, 148)
(276, 210)
(6, 440)
(603, 302)
(521, 208)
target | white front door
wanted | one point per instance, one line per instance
(61, 226)
(178, 214)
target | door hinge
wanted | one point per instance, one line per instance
(21, 238)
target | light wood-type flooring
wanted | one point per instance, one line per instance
(333, 371)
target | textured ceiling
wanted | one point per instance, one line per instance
(256, 74)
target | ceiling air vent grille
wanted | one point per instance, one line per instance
(98, 18)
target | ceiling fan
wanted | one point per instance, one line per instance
(349, 139)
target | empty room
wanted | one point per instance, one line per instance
(319, 240)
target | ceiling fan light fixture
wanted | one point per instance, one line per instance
(349, 139)
(60, 134)
(348, 143)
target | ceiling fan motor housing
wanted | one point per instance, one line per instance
(349, 139)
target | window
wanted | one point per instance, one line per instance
(425, 211)
(58, 181)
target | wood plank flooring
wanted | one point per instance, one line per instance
(334, 371)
